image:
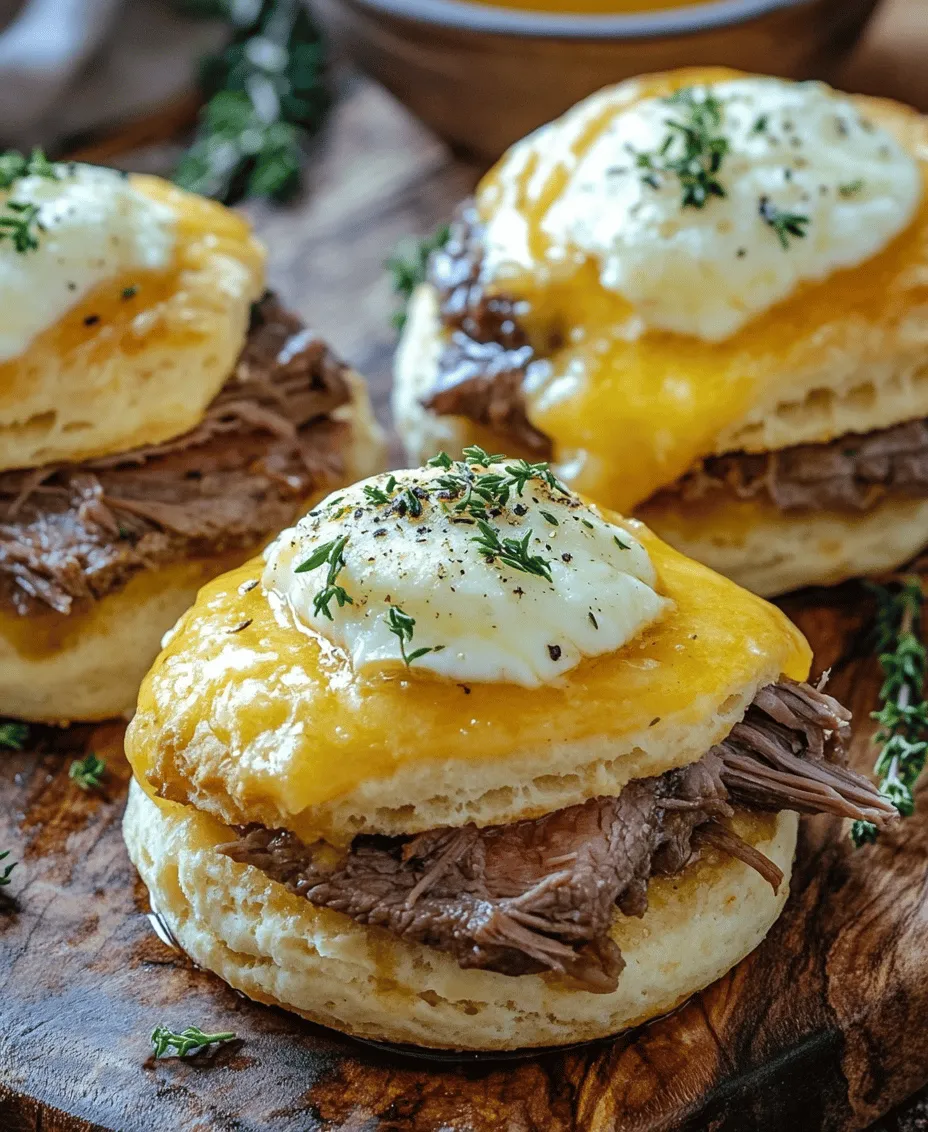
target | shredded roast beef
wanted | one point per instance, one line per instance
(850, 473)
(540, 895)
(483, 366)
(70, 534)
(483, 369)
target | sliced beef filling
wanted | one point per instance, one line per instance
(540, 895)
(484, 366)
(851, 473)
(71, 534)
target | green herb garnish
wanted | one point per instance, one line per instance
(13, 735)
(409, 264)
(88, 773)
(20, 223)
(6, 870)
(621, 545)
(187, 1041)
(413, 503)
(402, 626)
(783, 223)
(375, 495)
(903, 717)
(485, 491)
(852, 188)
(14, 165)
(511, 552)
(474, 454)
(332, 554)
(692, 151)
(267, 97)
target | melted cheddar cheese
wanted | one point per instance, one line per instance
(631, 408)
(245, 701)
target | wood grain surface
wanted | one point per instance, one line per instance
(821, 1028)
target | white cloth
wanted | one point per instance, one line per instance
(68, 66)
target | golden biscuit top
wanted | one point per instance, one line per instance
(253, 716)
(142, 342)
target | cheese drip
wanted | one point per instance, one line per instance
(663, 324)
(399, 547)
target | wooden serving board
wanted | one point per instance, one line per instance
(821, 1028)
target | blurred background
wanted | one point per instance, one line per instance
(348, 127)
(112, 75)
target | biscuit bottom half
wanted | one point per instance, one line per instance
(279, 949)
(772, 552)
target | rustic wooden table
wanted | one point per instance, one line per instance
(823, 1028)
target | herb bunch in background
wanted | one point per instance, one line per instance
(266, 96)
(408, 265)
(903, 717)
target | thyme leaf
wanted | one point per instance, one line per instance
(13, 735)
(20, 223)
(903, 716)
(331, 553)
(14, 165)
(7, 869)
(851, 189)
(408, 266)
(88, 773)
(402, 626)
(191, 1040)
(783, 223)
(375, 495)
(510, 551)
(692, 151)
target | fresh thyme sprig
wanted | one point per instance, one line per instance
(14, 165)
(692, 151)
(13, 735)
(20, 223)
(783, 223)
(510, 551)
(333, 554)
(903, 717)
(88, 773)
(267, 96)
(191, 1040)
(484, 491)
(402, 626)
(5, 870)
(408, 266)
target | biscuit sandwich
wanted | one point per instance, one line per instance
(465, 762)
(702, 295)
(161, 417)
